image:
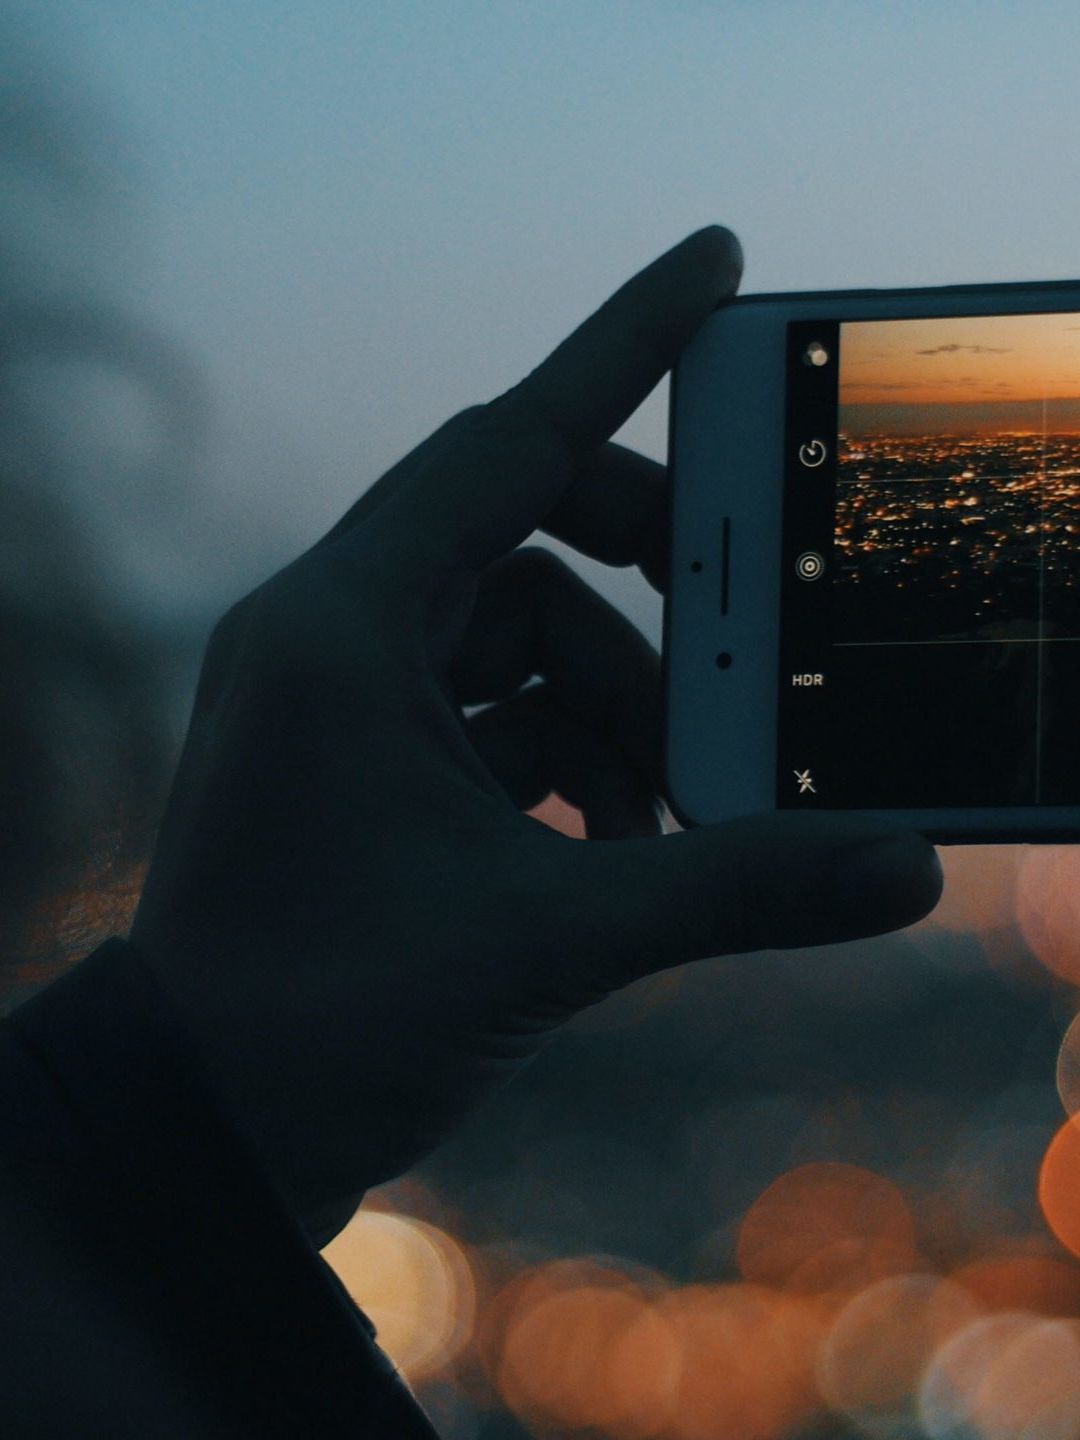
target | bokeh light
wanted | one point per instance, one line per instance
(1010, 1376)
(747, 1361)
(826, 1226)
(1068, 1068)
(872, 1361)
(980, 888)
(1048, 907)
(1041, 1283)
(583, 1344)
(1059, 1186)
(415, 1284)
(974, 925)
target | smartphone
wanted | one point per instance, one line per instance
(874, 602)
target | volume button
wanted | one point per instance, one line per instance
(725, 564)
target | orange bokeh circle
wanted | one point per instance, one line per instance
(1059, 1186)
(1041, 1284)
(748, 1356)
(979, 894)
(582, 1346)
(825, 1227)
(1048, 907)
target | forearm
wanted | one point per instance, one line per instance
(151, 1270)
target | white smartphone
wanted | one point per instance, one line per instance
(874, 602)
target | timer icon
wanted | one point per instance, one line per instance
(812, 453)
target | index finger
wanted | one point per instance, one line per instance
(595, 380)
(470, 502)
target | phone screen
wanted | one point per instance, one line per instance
(930, 603)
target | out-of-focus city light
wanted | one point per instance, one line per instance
(1068, 1068)
(824, 1227)
(980, 888)
(415, 1284)
(872, 1362)
(594, 1357)
(1010, 1376)
(1048, 907)
(582, 1344)
(1059, 1186)
(1040, 1283)
(747, 1357)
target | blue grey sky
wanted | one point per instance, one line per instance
(358, 218)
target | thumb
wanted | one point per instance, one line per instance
(763, 882)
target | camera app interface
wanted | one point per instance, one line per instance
(930, 638)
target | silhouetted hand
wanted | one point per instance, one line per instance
(363, 930)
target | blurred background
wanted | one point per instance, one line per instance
(251, 254)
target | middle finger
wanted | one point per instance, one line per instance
(534, 616)
(616, 511)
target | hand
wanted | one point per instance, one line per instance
(363, 930)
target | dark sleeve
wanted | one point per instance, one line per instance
(152, 1281)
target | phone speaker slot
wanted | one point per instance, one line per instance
(725, 558)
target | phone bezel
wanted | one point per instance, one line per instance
(728, 418)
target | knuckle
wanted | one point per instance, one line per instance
(517, 422)
(330, 615)
(264, 633)
(292, 627)
(229, 627)
(481, 423)
(224, 646)
(473, 417)
(229, 638)
(310, 634)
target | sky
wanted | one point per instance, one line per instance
(353, 220)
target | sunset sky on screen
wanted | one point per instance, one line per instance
(977, 373)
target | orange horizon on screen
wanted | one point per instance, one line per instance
(949, 360)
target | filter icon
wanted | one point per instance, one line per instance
(809, 566)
